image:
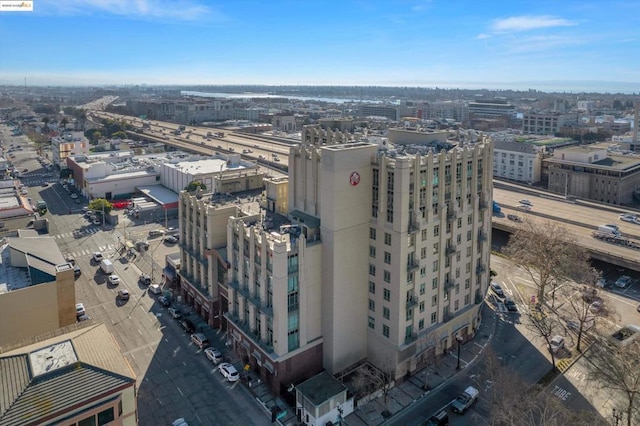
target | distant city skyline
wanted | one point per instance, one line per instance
(546, 45)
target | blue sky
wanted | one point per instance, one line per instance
(547, 45)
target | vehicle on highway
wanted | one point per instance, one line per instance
(123, 294)
(97, 256)
(200, 340)
(113, 279)
(80, 309)
(556, 343)
(511, 305)
(175, 313)
(526, 203)
(186, 325)
(441, 418)
(229, 372)
(495, 287)
(213, 355)
(623, 281)
(631, 218)
(514, 218)
(465, 400)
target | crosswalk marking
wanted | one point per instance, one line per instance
(88, 252)
(76, 233)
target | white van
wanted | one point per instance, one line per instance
(155, 289)
(106, 266)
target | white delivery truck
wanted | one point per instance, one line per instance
(106, 266)
(608, 230)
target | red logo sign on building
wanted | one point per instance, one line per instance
(354, 179)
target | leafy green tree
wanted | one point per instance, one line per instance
(194, 185)
(100, 204)
(119, 135)
(96, 137)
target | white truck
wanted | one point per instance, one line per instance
(465, 400)
(106, 266)
(608, 230)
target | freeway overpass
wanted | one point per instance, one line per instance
(580, 218)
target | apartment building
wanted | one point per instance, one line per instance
(547, 123)
(517, 161)
(68, 144)
(382, 256)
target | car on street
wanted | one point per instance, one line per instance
(123, 294)
(74, 195)
(97, 257)
(465, 400)
(213, 355)
(514, 218)
(71, 260)
(83, 317)
(156, 233)
(80, 309)
(77, 271)
(45, 184)
(200, 340)
(441, 418)
(623, 281)
(164, 301)
(628, 218)
(180, 422)
(155, 289)
(175, 313)
(556, 343)
(495, 287)
(526, 203)
(187, 325)
(171, 239)
(144, 279)
(113, 279)
(229, 372)
(511, 305)
(95, 222)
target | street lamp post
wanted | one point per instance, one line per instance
(459, 340)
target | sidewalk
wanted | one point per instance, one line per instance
(428, 380)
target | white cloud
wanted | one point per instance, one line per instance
(527, 23)
(483, 36)
(184, 10)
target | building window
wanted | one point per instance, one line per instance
(433, 318)
(455, 306)
(434, 283)
(387, 276)
(106, 416)
(385, 330)
(372, 233)
(434, 300)
(421, 306)
(423, 271)
(409, 315)
(423, 253)
(387, 294)
(372, 251)
(387, 238)
(423, 288)
(466, 299)
(435, 266)
(372, 287)
(436, 248)
(372, 270)
(385, 312)
(372, 305)
(372, 322)
(436, 230)
(424, 235)
(421, 324)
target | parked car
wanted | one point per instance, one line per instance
(171, 239)
(144, 279)
(465, 400)
(175, 313)
(187, 325)
(164, 301)
(229, 372)
(214, 355)
(441, 418)
(83, 317)
(77, 271)
(514, 218)
(200, 340)
(623, 281)
(495, 287)
(123, 294)
(113, 279)
(156, 233)
(155, 289)
(511, 305)
(556, 343)
(97, 257)
(80, 309)
(74, 195)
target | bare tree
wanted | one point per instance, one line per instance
(547, 253)
(616, 369)
(539, 407)
(371, 378)
(545, 327)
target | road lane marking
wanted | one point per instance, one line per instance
(179, 390)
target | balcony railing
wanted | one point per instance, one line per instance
(482, 236)
(448, 316)
(255, 299)
(480, 268)
(412, 265)
(412, 301)
(413, 226)
(410, 338)
(449, 284)
(267, 309)
(451, 249)
(451, 214)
